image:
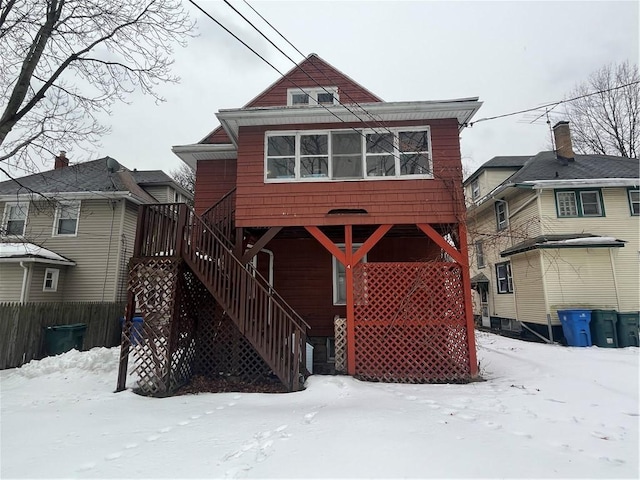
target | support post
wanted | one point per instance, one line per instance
(126, 342)
(238, 248)
(468, 309)
(351, 330)
(260, 244)
(457, 256)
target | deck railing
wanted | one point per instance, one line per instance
(264, 318)
(221, 218)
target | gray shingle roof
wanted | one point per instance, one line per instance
(513, 162)
(546, 166)
(147, 177)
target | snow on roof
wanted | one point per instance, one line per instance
(30, 252)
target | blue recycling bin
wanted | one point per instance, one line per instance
(136, 330)
(575, 326)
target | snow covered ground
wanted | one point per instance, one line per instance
(544, 411)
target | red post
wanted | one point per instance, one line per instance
(468, 306)
(351, 331)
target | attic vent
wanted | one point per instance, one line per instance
(348, 211)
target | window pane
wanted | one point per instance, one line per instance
(343, 143)
(567, 204)
(314, 167)
(67, 226)
(283, 146)
(299, 99)
(347, 166)
(281, 167)
(634, 197)
(590, 203)
(414, 164)
(380, 143)
(314, 145)
(380, 165)
(325, 98)
(414, 141)
(17, 212)
(15, 227)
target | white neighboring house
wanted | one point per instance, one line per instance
(67, 234)
(553, 231)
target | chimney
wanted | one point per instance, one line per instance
(61, 160)
(562, 137)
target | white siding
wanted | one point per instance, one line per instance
(617, 222)
(529, 287)
(162, 193)
(11, 275)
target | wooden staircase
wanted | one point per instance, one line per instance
(206, 245)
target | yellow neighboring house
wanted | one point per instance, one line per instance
(67, 234)
(550, 232)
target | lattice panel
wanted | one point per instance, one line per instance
(340, 333)
(410, 323)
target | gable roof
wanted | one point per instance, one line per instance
(82, 179)
(312, 71)
(31, 253)
(513, 162)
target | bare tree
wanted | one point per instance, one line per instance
(185, 176)
(64, 62)
(608, 122)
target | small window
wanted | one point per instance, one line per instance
(299, 99)
(634, 202)
(504, 280)
(340, 277)
(579, 203)
(414, 152)
(331, 349)
(50, 280)
(501, 214)
(475, 189)
(15, 218)
(66, 222)
(312, 96)
(325, 98)
(479, 254)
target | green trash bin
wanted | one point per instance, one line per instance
(62, 338)
(603, 328)
(628, 324)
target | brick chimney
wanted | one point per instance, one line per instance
(61, 160)
(562, 137)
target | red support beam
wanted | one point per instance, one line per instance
(457, 256)
(468, 306)
(349, 263)
(327, 243)
(370, 242)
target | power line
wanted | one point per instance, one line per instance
(552, 104)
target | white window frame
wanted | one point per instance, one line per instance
(480, 260)
(55, 274)
(334, 273)
(507, 276)
(58, 217)
(501, 225)
(632, 202)
(363, 133)
(312, 95)
(598, 203)
(6, 219)
(475, 189)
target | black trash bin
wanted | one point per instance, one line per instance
(603, 328)
(628, 329)
(62, 338)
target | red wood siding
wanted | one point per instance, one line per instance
(438, 200)
(218, 136)
(303, 274)
(321, 73)
(214, 178)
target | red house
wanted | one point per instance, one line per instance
(324, 216)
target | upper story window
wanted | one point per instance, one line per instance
(348, 154)
(312, 96)
(579, 203)
(502, 218)
(479, 254)
(15, 218)
(66, 218)
(634, 201)
(504, 281)
(475, 189)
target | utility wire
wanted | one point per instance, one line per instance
(553, 104)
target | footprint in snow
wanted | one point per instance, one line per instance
(208, 412)
(165, 430)
(87, 466)
(411, 398)
(614, 461)
(184, 422)
(309, 417)
(468, 418)
(237, 472)
(237, 397)
(492, 425)
(428, 402)
(113, 456)
(231, 404)
(522, 434)
(195, 417)
(152, 438)
(129, 446)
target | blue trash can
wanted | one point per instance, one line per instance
(575, 326)
(136, 330)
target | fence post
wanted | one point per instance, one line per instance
(180, 228)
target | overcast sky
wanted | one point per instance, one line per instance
(513, 55)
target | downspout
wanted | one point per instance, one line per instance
(615, 277)
(26, 279)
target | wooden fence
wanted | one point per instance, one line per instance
(22, 327)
